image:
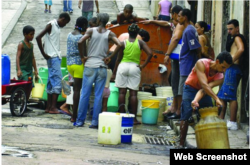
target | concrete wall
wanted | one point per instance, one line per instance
(237, 12)
(154, 7)
(217, 14)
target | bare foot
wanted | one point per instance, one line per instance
(64, 107)
(170, 110)
(46, 111)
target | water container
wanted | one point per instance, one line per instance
(141, 95)
(5, 69)
(175, 55)
(166, 91)
(43, 72)
(211, 131)
(64, 62)
(162, 106)
(150, 111)
(112, 105)
(127, 127)
(69, 98)
(109, 128)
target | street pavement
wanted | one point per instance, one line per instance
(18, 13)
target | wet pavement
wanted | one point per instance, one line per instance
(37, 133)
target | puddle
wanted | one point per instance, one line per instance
(15, 152)
(113, 162)
(20, 125)
(56, 126)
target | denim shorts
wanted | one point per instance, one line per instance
(228, 90)
(187, 97)
(55, 76)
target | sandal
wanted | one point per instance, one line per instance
(46, 11)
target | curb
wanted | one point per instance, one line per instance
(13, 22)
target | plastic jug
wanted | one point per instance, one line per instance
(211, 131)
(5, 69)
(109, 128)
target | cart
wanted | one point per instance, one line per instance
(17, 94)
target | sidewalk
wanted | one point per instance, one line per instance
(11, 12)
(13, 9)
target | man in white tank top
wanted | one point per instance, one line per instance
(95, 67)
(51, 52)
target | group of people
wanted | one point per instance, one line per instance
(193, 76)
(196, 71)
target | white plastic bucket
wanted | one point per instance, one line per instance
(166, 92)
(69, 98)
(142, 96)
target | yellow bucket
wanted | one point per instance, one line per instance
(150, 103)
(38, 89)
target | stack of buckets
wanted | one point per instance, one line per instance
(112, 105)
(5, 69)
(150, 111)
(115, 128)
(166, 92)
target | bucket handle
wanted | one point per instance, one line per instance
(126, 108)
(142, 108)
(39, 79)
(65, 76)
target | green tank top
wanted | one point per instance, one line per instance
(26, 57)
(132, 52)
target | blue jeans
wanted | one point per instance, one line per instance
(67, 5)
(229, 87)
(54, 84)
(90, 76)
(187, 97)
(88, 15)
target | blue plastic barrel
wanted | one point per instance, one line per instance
(127, 129)
(5, 69)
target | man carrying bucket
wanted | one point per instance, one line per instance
(197, 91)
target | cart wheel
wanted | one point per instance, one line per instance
(18, 102)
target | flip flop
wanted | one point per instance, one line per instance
(54, 112)
(64, 112)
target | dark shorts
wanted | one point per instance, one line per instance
(164, 17)
(175, 76)
(228, 90)
(187, 97)
(181, 84)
